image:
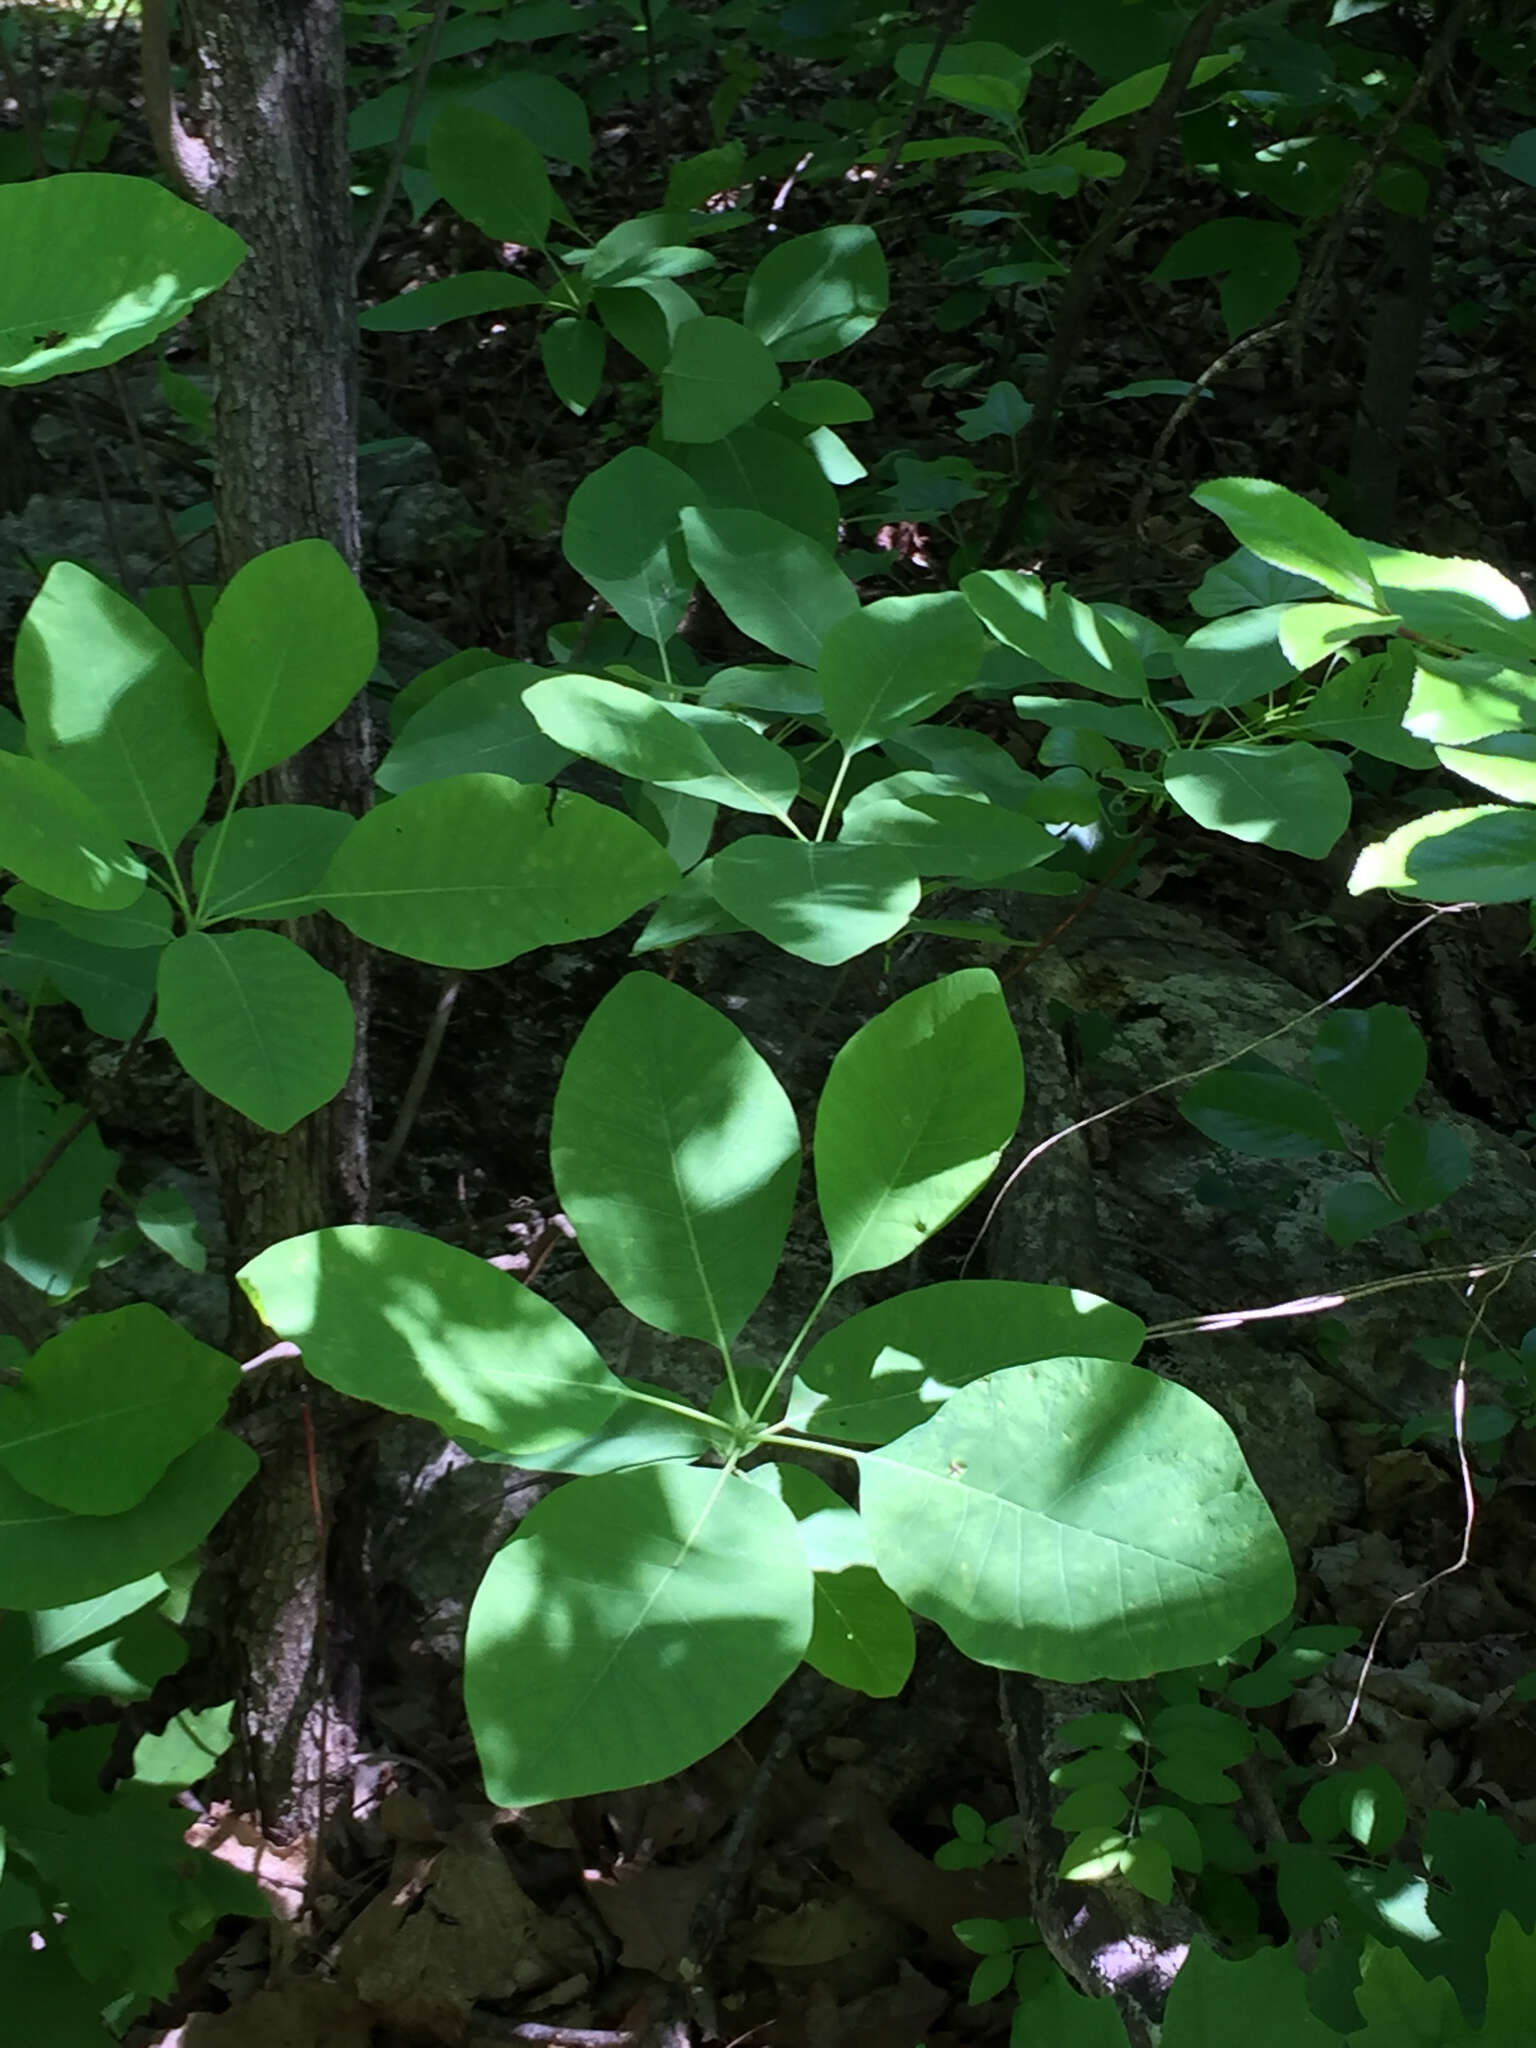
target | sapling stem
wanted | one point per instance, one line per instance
(794, 1351)
(833, 794)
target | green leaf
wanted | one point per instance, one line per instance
(1293, 797)
(694, 179)
(622, 535)
(676, 1154)
(1369, 1064)
(1363, 704)
(965, 756)
(1058, 2012)
(1366, 1805)
(1089, 1731)
(1504, 764)
(1173, 1829)
(47, 1237)
(1095, 1806)
(1485, 854)
(746, 772)
(774, 584)
(50, 1559)
(256, 1022)
(461, 297)
(888, 1368)
(1261, 2001)
(1191, 1728)
(60, 842)
(1424, 1162)
(573, 352)
(114, 708)
(1251, 1107)
(1291, 533)
(266, 861)
(1004, 411)
(648, 248)
(818, 293)
(687, 912)
(1236, 659)
(96, 266)
(861, 1635)
(1459, 699)
(1322, 631)
(188, 1748)
(103, 1409)
(1257, 260)
(645, 316)
(633, 1624)
(291, 642)
(475, 870)
(824, 402)
(1242, 580)
(895, 662)
(1130, 95)
(478, 724)
(635, 1433)
(492, 174)
(821, 903)
(168, 1220)
(941, 827)
(622, 728)
(145, 923)
(422, 1328)
(431, 682)
(1069, 639)
(718, 376)
(1355, 1208)
(111, 986)
(758, 470)
(1081, 1519)
(914, 1116)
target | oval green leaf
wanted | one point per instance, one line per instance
(676, 1154)
(1080, 1519)
(256, 1022)
(1295, 798)
(492, 174)
(476, 870)
(102, 1410)
(717, 377)
(890, 1367)
(97, 265)
(818, 293)
(291, 641)
(821, 903)
(913, 1118)
(778, 587)
(114, 708)
(60, 842)
(861, 1635)
(622, 534)
(49, 1558)
(422, 1328)
(634, 1623)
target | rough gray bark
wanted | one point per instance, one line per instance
(267, 93)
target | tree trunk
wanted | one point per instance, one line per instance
(267, 84)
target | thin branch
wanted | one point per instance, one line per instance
(416, 1087)
(1083, 281)
(402, 140)
(949, 22)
